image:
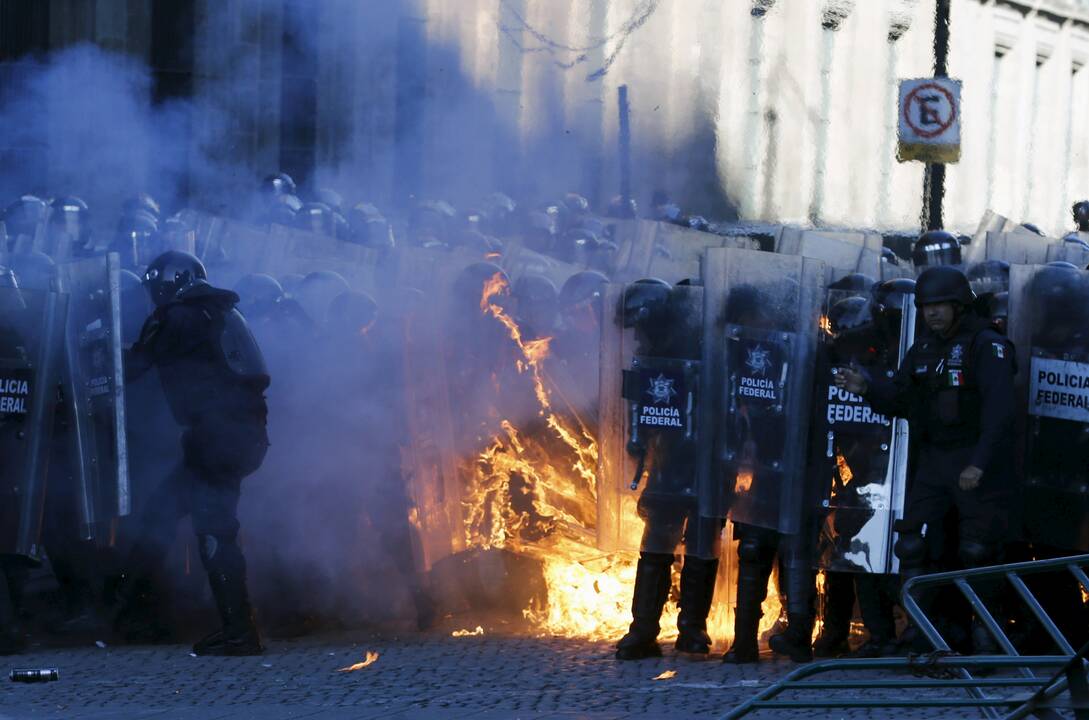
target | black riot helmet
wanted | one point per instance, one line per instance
(352, 314)
(859, 283)
(623, 209)
(943, 284)
(23, 216)
(989, 276)
(142, 202)
(1081, 215)
(468, 286)
(367, 226)
(71, 213)
(645, 303)
(330, 197)
(887, 255)
(1065, 265)
(170, 273)
(279, 184)
(258, 294)
(317, 291)
(888, 296)
(281, 209)
(317, 218)
(497, 214)
(936, 247)
(575, 203)
(536, 301)
(587, 286)
(848, 314)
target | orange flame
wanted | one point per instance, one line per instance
(468, 633)
(370, 659)
(667, 675)
(845, 473)
(743, 483)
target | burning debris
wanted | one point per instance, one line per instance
(667, 675)
(370, 659)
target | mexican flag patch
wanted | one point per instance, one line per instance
(999, 350)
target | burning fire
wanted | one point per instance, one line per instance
(468, 633)
(370, 659)
(533, 491)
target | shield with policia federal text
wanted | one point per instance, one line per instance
(31, 343)
(762, 311)
(858, 455)
(653, 445)
(1049, 325)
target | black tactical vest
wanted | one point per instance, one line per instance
(948, 403)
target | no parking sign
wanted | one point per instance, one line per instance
(929, 120)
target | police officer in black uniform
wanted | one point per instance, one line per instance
(665, 329)
(955, 386)
(214, 379)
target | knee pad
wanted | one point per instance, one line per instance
(911, 549)
(751, 550)
(212, 547)
(974, 553)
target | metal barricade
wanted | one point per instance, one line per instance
(1056, 682)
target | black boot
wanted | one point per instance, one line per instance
(697, 591)
(754, 568)
(800, 584)
(652, 581)
(795, 641)
(839, 606)
(227, 577)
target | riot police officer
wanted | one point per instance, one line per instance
(955, 386)
(214, 379)
(666, 331)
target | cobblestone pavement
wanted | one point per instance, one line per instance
(416, 676)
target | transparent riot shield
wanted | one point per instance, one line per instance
(518, 260)
(1022, 248)
(846, 252)
(429, 455)
(859, 455)
(763, 314)
(31, 337)
(653, 447)
(94, 388)
(1075, 253)
(1049, 314)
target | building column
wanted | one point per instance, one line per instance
(899, 23)
(832, 17)
(750, 201)
(1046, 32)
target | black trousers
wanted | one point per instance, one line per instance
(205, 485)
